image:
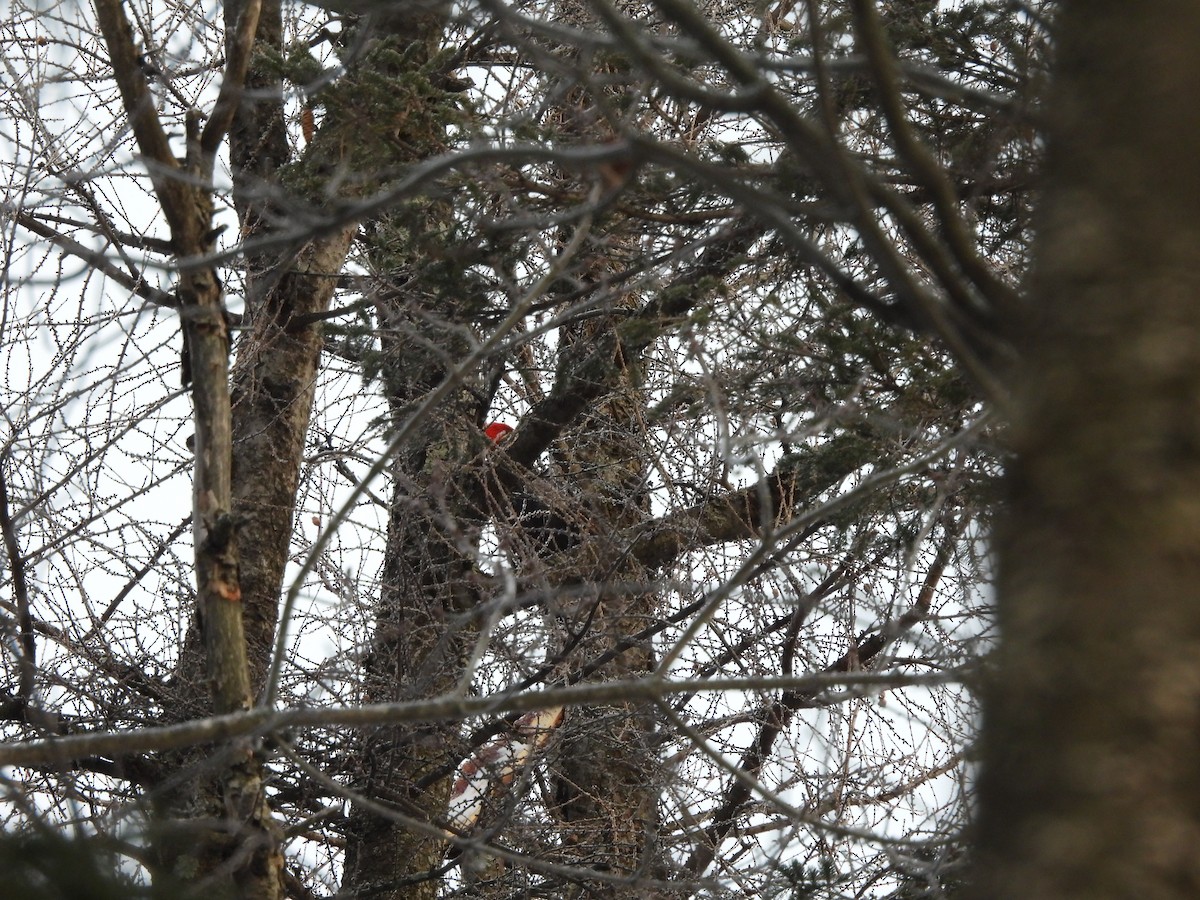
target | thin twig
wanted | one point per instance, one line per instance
(16, 565)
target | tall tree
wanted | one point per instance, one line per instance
(1092, 737)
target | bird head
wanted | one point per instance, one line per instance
(497, 430)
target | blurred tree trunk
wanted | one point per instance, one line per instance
(649, 190)
(1091, 778)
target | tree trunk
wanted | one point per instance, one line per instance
(278, 352)
(422, 631)
(268, 402)
(605, 774)
(1091, 778)
(423, 615)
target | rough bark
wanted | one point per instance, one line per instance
(271, 383)
(423, 622)
(422, 632)
(422, 625)
(1091, 778)
(604, 776)
(606, 793)
(278, 354)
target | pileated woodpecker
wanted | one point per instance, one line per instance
(543, 528)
